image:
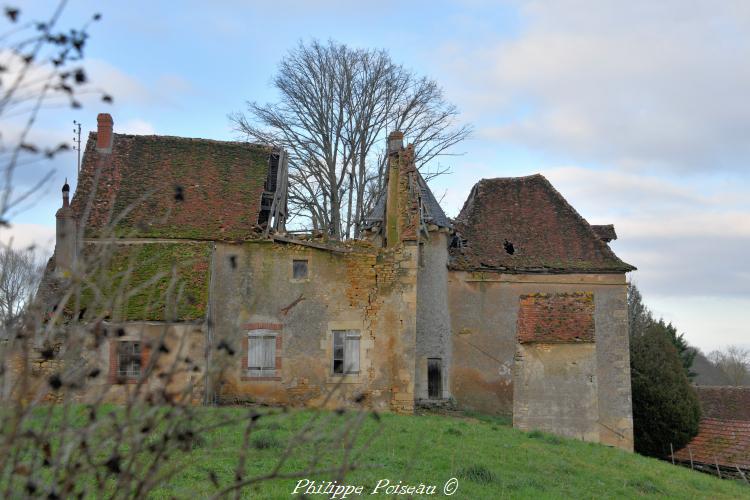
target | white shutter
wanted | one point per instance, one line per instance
(351, 352)
(269, 353)
(254, 352)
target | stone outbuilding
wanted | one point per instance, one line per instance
(517, 307)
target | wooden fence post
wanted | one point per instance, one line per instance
(671, 451)
(741, 473)
(716, 461)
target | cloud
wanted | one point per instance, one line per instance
(136, 126)
(23, 236)
(687, 240)
(636, 84)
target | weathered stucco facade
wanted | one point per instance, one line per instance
(517, 307)
(365, 290)
(576, 388)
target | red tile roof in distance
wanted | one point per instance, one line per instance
(174, 187)
(724, 441)
(724, 434)
(523, 224)
(732, 403)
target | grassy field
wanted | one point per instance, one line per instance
(488, 457)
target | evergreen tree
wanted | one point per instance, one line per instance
(639, 316)
(665, 406)
(640, 319)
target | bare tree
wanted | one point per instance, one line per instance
(39, 68)
(337, 105)
(734, 361)
(20, 273)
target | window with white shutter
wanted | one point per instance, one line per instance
(261, 352)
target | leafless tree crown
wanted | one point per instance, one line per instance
(336, 106)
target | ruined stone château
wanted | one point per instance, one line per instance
(516, 307)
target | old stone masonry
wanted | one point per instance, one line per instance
(515, 307)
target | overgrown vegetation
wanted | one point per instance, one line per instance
(139, 282)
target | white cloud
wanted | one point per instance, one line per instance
(23, 236)
(637, 83)
(135, 126)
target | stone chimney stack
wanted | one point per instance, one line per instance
(104, 133)
(65, 242)
(395, 142)
(391, 216)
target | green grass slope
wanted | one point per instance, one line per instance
(489, 458)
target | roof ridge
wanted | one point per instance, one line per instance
(598, 241)
(501, 197)
(189, 139)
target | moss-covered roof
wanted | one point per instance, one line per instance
(172, 187)
(523, 224)
(147, 281)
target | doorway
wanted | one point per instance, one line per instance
(434, 378)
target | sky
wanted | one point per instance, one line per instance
(638, 112)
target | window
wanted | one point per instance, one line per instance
(345, 351)
(261, 353)
(299, 269)
(129, 360)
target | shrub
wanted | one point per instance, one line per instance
(665, 406)
(264, 441)
(477, 473)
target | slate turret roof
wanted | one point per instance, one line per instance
(432, 212)
(523, 224)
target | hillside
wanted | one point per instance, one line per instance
(488, 457)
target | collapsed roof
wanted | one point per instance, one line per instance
(523, 224)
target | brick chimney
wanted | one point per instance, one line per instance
(104, 133)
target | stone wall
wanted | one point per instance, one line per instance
(570, 386)
(433, 318)
(86, 372)
(358, 288)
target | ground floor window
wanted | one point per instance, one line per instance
(261, 352)
(127, 361)
(346, 351)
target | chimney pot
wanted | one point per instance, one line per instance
(104, 132)
(395, 141)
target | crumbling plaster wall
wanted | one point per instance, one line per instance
(484, 376)
(182, 354)
(433, 317)
(367, 289)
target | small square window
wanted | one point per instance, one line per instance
(299, 269)
(129, 360)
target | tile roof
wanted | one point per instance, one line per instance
(523, 224)
(724, 441)
(732, 403)
(220, 183)
(605, 232)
